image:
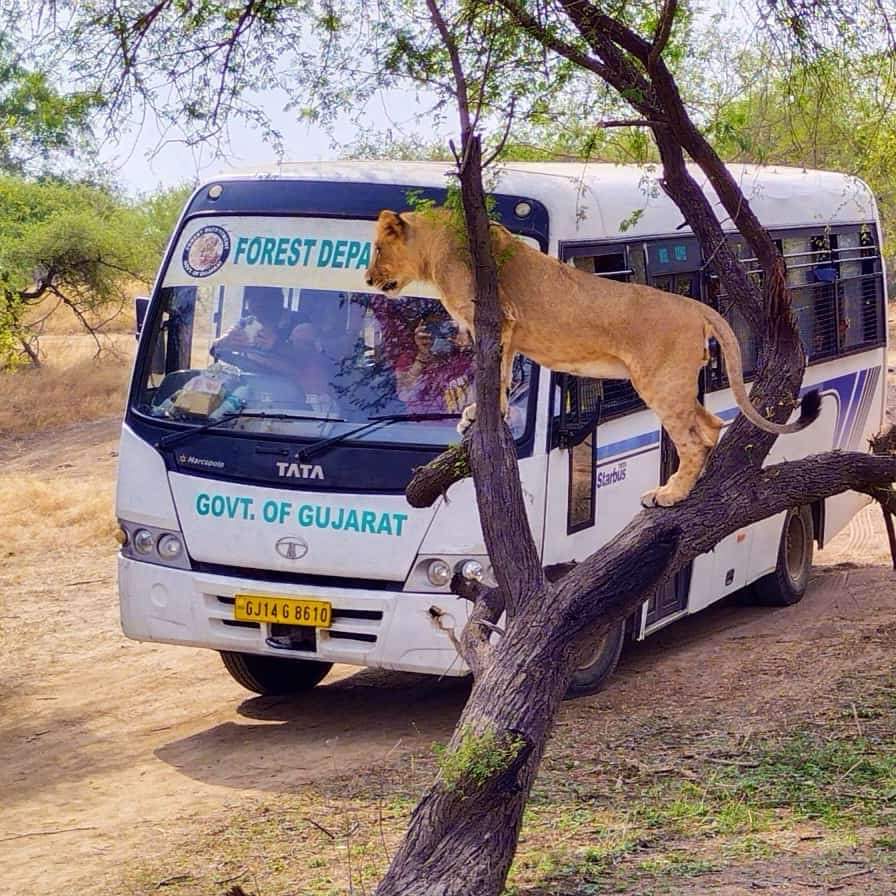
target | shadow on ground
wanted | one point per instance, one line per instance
(336, 730)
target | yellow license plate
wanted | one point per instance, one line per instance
(285, 610)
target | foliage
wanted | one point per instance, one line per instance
(160, 211)
(74, 244)
(833, 112)
(478, 758)
(37, 122)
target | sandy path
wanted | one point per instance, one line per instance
(109, 747)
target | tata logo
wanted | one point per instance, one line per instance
(288, 470)
(291, 547)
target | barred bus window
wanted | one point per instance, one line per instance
(612, 266)
(852, 316)
(582, 471)
(826, 336)
(872, 287)
(620, 396)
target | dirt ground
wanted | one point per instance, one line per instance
(122, 763)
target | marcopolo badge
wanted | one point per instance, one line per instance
(206, 251)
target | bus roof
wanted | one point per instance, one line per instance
(600, 201)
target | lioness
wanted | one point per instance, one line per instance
(575, 322)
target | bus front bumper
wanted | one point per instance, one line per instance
(381, 629)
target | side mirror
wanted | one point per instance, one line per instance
(141, 305)
(580, 406)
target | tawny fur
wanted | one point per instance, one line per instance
(575, 322)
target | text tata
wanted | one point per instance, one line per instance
(289, 470)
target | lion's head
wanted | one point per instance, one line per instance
(392, 267)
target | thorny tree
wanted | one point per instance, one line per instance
(462, 835)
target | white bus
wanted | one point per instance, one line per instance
(277, 410)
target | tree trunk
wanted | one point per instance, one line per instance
(462, 836)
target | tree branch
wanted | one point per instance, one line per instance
(503, 141)
(537, 30)
(629, 123)
(463, 99)
(663, 32)
(585, 595)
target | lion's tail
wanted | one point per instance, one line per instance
(809, 406)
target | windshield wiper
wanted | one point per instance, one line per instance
(174, 438)
(372, 423)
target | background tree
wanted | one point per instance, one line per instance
(65, 240)
(462, 835)
(38, 124)
(833, 112)
(70, 245)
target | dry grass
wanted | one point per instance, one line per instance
(44, 505)
(73, 385)
(55, 319)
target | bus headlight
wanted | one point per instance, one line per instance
(144, 541)
(434, 574)
(150, 544)
(471, 570)
(169, 547)
(438, 572)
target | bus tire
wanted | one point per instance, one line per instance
(787, 584)
(272, 675)
(592, 676)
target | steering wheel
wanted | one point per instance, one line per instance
(289, 391)
(243, 358)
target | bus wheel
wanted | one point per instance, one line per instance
(592, 676)
(787, 584)
(271, 675)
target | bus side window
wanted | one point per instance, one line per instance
(575, 423)
(860, 290)
(624, 264)
(612, 265)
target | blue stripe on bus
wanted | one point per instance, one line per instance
(852, 390)
(864, 406)
(849, 416)
(646, 438)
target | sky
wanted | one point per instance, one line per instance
(143, 159)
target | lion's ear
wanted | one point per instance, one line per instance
(392, 224)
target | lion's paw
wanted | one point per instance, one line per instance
(661, 497)
(468, 418)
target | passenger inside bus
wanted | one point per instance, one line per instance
(313, 370)
(260, 337)
(438, 377)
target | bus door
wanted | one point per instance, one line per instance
(673, 265)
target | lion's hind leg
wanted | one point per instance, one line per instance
(709, 425)
(690, 440)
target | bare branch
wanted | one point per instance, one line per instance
(30, 348)
(40, 289)
(244, 23)
(73, 306)
(463, 100)
(663, 32)
(503, 141)
(535, 29)
(629, 123)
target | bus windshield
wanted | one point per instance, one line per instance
(321, 360)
